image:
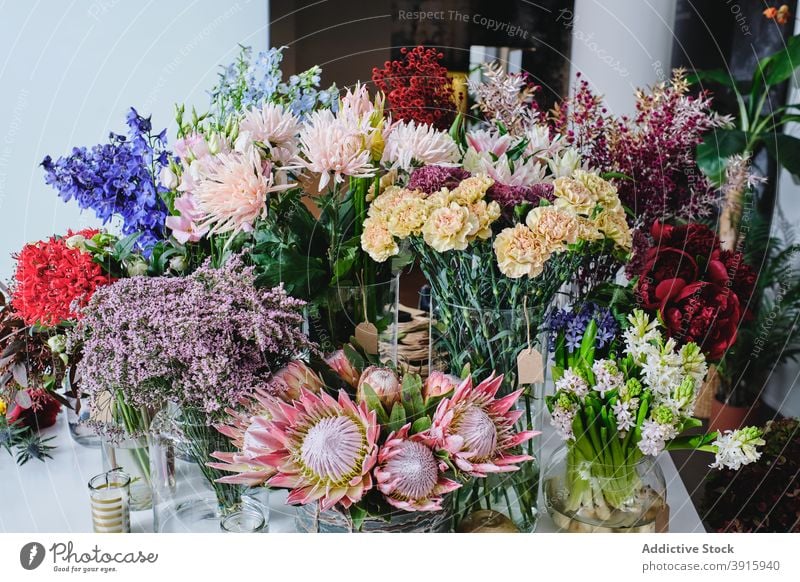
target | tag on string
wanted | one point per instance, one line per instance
(101, 408)
(367, 337)
(530, 367)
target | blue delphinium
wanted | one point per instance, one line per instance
(118, 179)
(572, 323)
(253, 81)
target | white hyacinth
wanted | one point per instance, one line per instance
(572, 382)
(737, 448)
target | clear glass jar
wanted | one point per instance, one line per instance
(131, 456)
(586, 495)
(186, 496)
(309, 519)
(78, 414)
(332, 325)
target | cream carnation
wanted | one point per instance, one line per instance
(377, 241)
(571, 193)
(520, 252)
(557, 227)
(484, 214)
(448, 228)
(407, 216)
(615, 227)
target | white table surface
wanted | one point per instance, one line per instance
(52, 496)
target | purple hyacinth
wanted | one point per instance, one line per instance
(573, 323)
(430, 179)
(118, 178)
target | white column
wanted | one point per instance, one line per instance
(620, 45)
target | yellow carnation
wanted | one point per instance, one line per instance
(386, 201)
(520, 252)
(448, 228)
(558, 227)
(485, 214)
(603, 191)
(587, 230)
(573, 194)
(615, 227)
(471, 190)
(377, 241)
(407, 216)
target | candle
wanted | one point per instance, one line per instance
(109, 495)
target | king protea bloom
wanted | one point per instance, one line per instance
(384, 382)
(409, 475)
(288, 382)
(317, 447)
(477, 429)
(249, 435)
(343, 367)
(439, 384)
(233, 192)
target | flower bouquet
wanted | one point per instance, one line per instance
(188, 346)
(370, 449)
(617, 413)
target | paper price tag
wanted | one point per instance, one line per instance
(101, 410)
(367, 337)
(530, 367)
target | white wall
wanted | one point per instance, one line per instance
(70, 70)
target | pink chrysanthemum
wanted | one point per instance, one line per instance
(409, 475)
(317, 447)
(477, 429)
(233, 193)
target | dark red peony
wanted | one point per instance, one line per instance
(700, 291)
(53, 280)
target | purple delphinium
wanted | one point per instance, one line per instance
(573, 323)
(204, 341)
(118, 178)
(430, 179)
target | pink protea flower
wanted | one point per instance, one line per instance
(317, 447)
(384, 382)
(343, 367)
(249, 435)
(439, 384)
(288, 382)
(477, 429)
(409, 475)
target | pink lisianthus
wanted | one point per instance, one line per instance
(409, 475)
(477, 429)
(184, 226)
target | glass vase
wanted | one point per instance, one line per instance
(78, 414)
(333, 323)
(309, 519)
(131, 456)
(186, 496)
(588, 495)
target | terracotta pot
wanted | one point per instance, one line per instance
(727, 417)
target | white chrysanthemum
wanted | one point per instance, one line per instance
(737, 448)
(332, 146)
(501, 169)
(271, 125)
(410, 144)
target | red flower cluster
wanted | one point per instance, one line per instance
(52, 280)
(41, 414)
(701, 291)
(418, 88)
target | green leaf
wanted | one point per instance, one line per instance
(717, 147)
(785, 149)
(374, 403)
(778, 67)
(124, 247)
(588, 343)
(412, 395)
(420, 425)
(398, 417)
(357, 514)
(713, 76)
(355, 359)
